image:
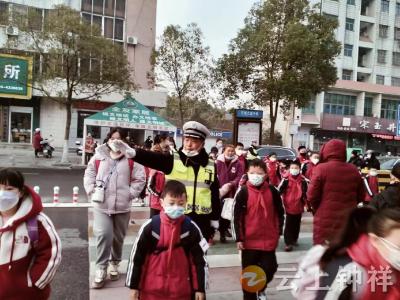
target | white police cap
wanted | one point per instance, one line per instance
(196, 130)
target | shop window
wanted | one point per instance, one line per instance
(368, 106)
(21, 127)
(338, 104)
(389, 109)
(95, 131)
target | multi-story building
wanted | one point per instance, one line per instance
(129, 23)
(361, 108)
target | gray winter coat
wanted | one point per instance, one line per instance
(119, 191)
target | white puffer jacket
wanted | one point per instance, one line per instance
(122, 187)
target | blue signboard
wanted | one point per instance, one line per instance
(398, 120)
(249, 114)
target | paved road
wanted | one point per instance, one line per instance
(47, 178)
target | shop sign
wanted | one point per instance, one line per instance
(386, 137)
(15, 76)
(249, 114)
(359, 124)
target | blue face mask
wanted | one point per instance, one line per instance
(174, 211)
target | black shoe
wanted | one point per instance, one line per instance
(228, 234)
(222, 239)
(288, 248)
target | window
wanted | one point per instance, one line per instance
(35, 18)
(380, 79)
(347, 74)
(109, 8)
(368, 107)
(389, 109)
(381, 56)
(348, 50)
(349, 24)
(351, 2)
(87, 5)
(310, 107)
(119, 29)
(338, 104)
(396, 58)
(120, 8)
(383, 31)
(4, 13)
(97, 22)
(397, 33)
(108, 27)
(98, 6)
(384, 5)
(398, 9)
(94, 130)
(87, 18)
(395, 81)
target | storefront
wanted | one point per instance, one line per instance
(19, 112)
(358, 132)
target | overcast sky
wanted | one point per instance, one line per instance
(219, 20)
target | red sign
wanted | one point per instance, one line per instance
(92, 105)
(359, 124)
(386, 137)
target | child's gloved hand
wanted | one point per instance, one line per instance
(125, 149)
(214, 224)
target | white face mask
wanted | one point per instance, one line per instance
(315, 160)
(394, 254)
(256, 179)
(294, 172)
(190, 153)
(220, 145)
(272, 159)
(112, 146)
(239, 152)
(8, 200)
(229, 157)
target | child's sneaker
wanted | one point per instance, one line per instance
(99, 279)
(288, 248)
(113, 271)
(262, 296)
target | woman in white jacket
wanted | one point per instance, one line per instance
(112, 179)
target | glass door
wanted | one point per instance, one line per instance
(21, 125)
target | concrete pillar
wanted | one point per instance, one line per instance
(376, 106)
(360, 104)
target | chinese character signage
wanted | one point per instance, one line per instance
(15, 76)
(249, 114)
(360, 124)
(129, 113)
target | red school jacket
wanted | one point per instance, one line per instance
(258, 217)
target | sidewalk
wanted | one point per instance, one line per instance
(25, 158)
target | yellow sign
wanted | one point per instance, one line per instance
(253, 279)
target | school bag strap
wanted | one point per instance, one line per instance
(186, 227)
(33, 230)
(130, 161)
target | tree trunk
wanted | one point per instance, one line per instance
(181, 115)
(64, 158)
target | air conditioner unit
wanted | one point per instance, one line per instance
(12, 30)
(132, 40)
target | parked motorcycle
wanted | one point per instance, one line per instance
(47, 149)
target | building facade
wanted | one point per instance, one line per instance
(128, 23)
(361, 108)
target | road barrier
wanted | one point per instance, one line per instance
(56, 195)
(75, 194)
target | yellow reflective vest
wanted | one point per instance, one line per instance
(197, 189)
